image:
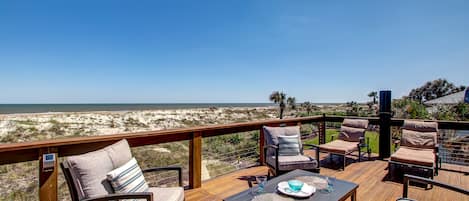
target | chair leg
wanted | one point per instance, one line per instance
(369, 153)
(343, 167)
(432, 173)
(359, 155)
(391, 170)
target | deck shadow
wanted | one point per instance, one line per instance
(397, 176)
(335, 162)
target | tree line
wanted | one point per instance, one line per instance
(410, 106)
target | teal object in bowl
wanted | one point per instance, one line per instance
(295, 185)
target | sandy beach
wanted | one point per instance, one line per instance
(42, 126)
(39, 126)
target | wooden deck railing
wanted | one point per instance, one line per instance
(32, 151)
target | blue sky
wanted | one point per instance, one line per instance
(226, 51)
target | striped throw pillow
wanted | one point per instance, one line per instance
(128, 178)
(288, 145)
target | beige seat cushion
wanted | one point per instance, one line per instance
(286, 163)
(168, 194)
(352, 129)
(271, 135)
(339, 147)
(423, 157)
(89, 170)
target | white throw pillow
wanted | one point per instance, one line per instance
(128, 178)
(288, 145)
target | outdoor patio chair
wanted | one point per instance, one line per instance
(284, 151)
(87, 176)
(418, 147)
(409, 178)
(351, 138)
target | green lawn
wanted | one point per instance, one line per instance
(373, 136)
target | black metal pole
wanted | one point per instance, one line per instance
(385, 124)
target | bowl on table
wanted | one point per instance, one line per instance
(295, 188)
(295, 185)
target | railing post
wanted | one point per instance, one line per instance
(322, 129)
(385, 124)
(261, 145)
(48, 180)
(195, 160)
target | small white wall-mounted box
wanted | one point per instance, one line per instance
(48, 162)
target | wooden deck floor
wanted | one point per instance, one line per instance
(370, 175)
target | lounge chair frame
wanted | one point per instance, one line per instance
(116, 196)
(409, 178)
(275, 170)
(360, 146)
(433, 170)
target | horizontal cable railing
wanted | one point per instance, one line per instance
(454, 146)
(230, 161)
(228, 153)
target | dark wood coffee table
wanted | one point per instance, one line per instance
(342, 189)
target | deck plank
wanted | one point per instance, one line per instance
(370, 175)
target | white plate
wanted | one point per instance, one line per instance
(305, 192)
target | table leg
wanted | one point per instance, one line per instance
(354, 195)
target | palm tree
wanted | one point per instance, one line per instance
(291, 102)
(308, 107)
(278, 98)
(373, 95)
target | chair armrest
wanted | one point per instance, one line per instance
(361, 140)
(408, 178)
(119, 196)
(168, 168)
(311, 145)
(363, 143)
(271, 146)
(396, 143)
(437, 156)
(316, 147)
(155, 169)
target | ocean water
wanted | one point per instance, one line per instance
(42, 108)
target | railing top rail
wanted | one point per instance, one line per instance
(220, 129)
(26, 151)
(442, 124)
